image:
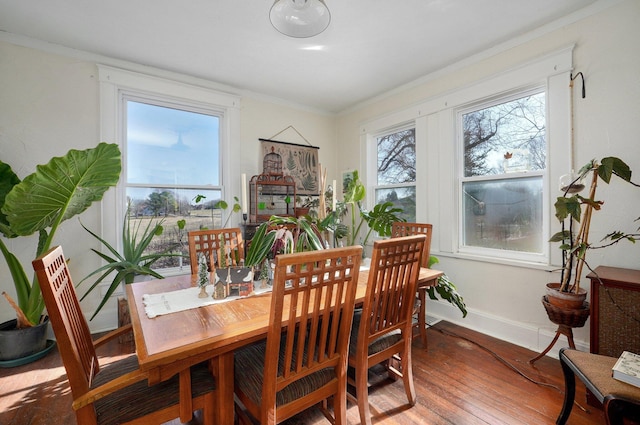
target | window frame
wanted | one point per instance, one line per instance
(437, 196)
(116, 87)
(479, 104)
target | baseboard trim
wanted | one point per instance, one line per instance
(533, 338)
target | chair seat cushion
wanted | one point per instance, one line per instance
(597, 369)
(140, 399)
(249, 376)
(385, 341)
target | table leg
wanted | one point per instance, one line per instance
(223, 371)
(186, 399)
(422, 316)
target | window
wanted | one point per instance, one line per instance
(177, 165)
(503, 173)
(172, 171)
(488, 155)
(396, 170)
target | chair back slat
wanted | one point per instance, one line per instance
(209, 243)
(312, 293)
(395, 266)
(68, 323)
(399, 229)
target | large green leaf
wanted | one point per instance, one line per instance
(61, 189)
(612, 165)
(8, 180)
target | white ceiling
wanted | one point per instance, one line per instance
(370, 47)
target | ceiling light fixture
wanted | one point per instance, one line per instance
(300, 18)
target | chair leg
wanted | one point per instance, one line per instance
(611, 412)
(407, 375)
(569, 392)
(621, 411)
(362, 396)
(339, 406)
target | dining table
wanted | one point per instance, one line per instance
(169, 344)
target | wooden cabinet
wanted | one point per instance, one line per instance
(615, 311)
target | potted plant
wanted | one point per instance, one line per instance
(223, 205)
(282, 235)
(304, 205)
(133, 261)
(574, 234)
(64, 187)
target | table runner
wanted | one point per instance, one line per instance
(186, 299)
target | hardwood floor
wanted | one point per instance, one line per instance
(459, 380)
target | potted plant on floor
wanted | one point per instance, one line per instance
(134, 259)
(574, 211)
(63, 188)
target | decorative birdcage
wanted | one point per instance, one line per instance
(271, 195)
(272, 164)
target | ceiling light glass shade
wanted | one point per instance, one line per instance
(300, 18)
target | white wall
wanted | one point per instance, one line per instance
(504, 300)
(49, 103)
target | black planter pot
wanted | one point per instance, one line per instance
(19, 343)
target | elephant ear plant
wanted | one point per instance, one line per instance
(55, 192)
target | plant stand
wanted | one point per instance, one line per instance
(562, 330)
(566, 319)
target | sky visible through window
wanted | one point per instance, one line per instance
(173, 173)
(171, 146)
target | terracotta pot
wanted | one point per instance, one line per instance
(568, 300)
(301, 211)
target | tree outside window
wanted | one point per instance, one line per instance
(504, 164)
(396, 171)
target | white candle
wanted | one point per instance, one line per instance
(244, 193)
(335, 196)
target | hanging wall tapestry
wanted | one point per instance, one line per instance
(298, 161)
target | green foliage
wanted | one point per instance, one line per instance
(162, 203)
(569, 210)
(305, 236)
(381, 218)
(260, 245)
(61, 189)
(446, 289)
(133, 261)
(223, 205)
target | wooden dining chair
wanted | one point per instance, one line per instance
(303, 361)
(116, 393)
(620, 400)
(399, 228)
(382, 329)
(209, 242)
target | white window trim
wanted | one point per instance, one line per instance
(477, 251)
(436, 151)
(115, 84)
